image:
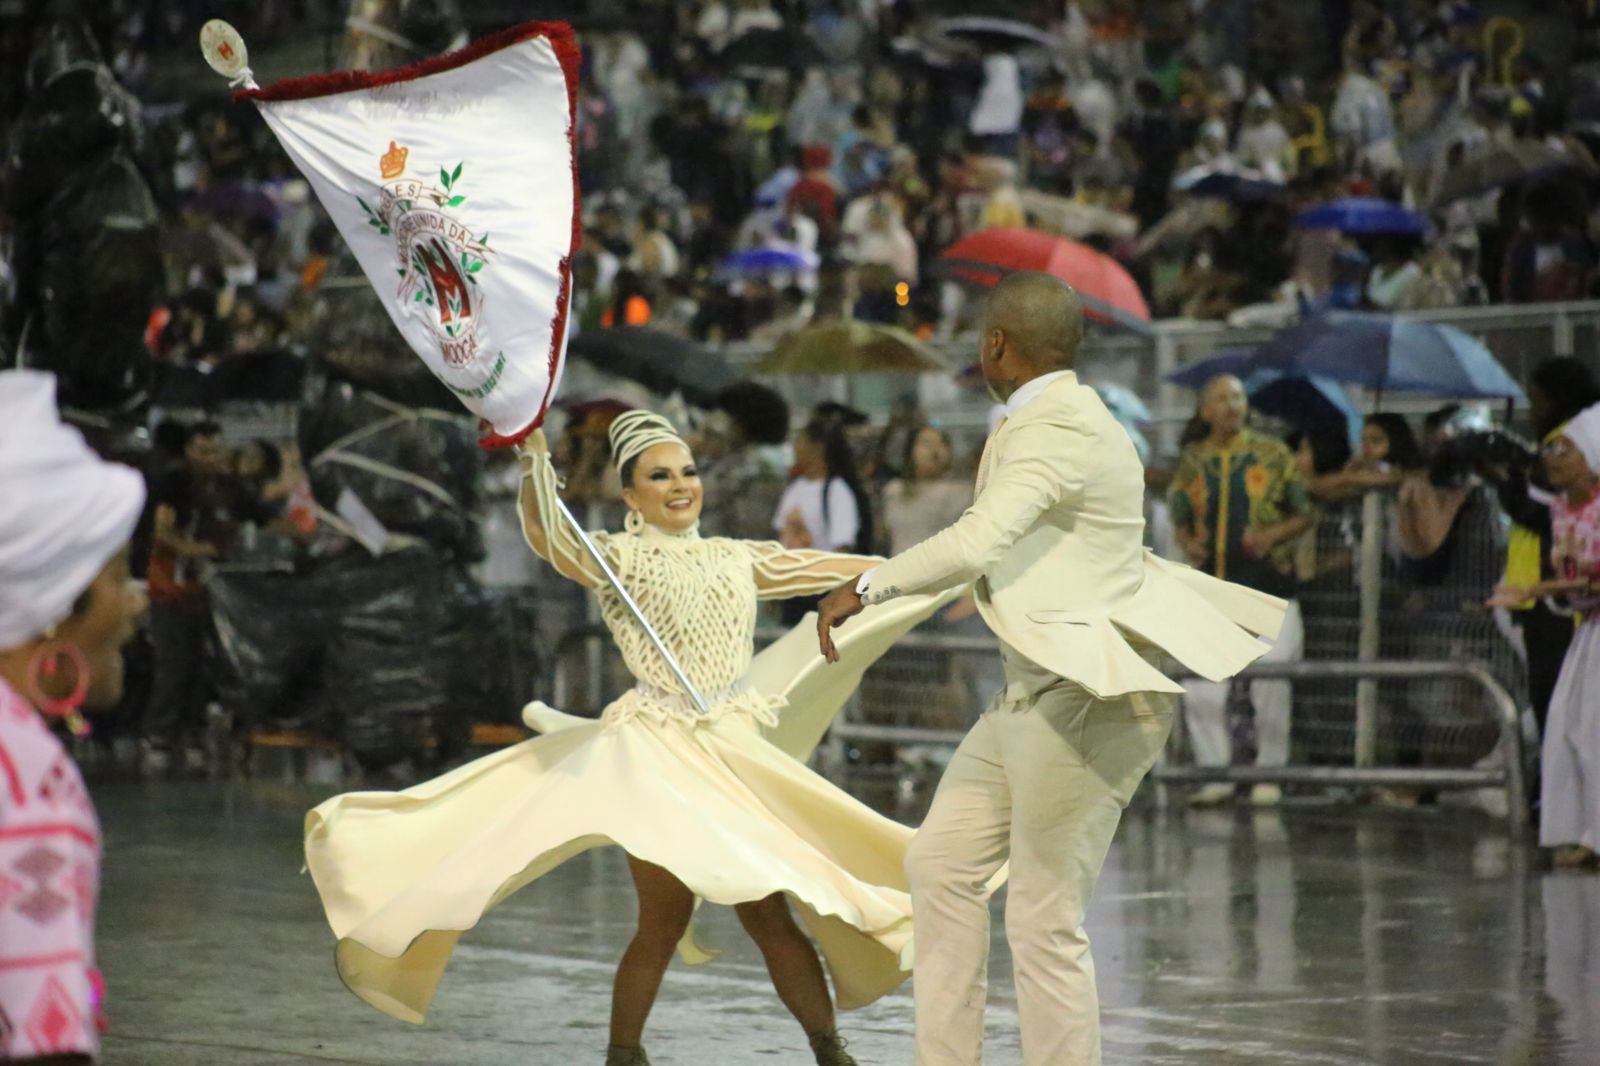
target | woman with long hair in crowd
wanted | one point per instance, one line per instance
(1388, 453)
(824, 505)
(67, 607)
(1569, 814)
(704, 805)
(925, 498)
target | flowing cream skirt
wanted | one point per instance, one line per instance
(734, 815)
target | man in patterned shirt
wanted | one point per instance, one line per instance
(1238, 504)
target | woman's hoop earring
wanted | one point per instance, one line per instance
(634, 523)
(46, 666)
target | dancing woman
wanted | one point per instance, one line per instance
(704, 805)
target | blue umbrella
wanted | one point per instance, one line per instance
(1123, 402)
(1126, 407)
(769, 261)
(1363, 214)
(1304, 401)
(1389, 354)
(1196, 375)
(1300, 399)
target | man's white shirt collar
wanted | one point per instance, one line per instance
(1030, 390)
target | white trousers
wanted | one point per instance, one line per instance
(1569, 801)
(1205, 705)
(1042, 783)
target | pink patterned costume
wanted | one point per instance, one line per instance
(49, 877)
(1570, 786)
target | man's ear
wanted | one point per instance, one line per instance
(996, 339)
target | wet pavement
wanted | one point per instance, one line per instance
(1324, 936)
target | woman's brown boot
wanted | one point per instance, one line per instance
(828, 1046)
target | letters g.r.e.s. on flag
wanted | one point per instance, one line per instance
(454, 183)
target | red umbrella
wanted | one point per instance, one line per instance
(1109, 294)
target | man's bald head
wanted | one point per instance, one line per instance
(1221, 385)
(1224, 405)
(1041, 317)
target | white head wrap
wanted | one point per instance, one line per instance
(64, 511)
(634, 432)
(1584, 432)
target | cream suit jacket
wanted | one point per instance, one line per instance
(1054, 542)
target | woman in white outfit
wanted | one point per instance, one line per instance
(716, 806)
(1569, 820)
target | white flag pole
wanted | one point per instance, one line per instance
(225, 53)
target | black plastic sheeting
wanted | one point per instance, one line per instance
(394, 656)
(415, 470)
(88, 231)
(273, 375)
(385, 653)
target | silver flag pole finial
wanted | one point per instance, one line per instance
(226, 54)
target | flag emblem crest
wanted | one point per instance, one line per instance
(438, 255)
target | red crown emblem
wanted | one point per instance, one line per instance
(393, 162)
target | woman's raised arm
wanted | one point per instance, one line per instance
(543, 526)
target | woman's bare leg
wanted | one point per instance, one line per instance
(792, 962)
(665, 906)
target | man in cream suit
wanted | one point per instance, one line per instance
(1053, 543)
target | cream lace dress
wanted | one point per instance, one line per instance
(723, 801)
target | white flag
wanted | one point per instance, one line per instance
(455, 184)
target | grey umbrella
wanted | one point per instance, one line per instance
(659, 361)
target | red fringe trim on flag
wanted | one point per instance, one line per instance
(559, 34)
(565, 45)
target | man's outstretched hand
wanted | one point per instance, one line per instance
(840, 604)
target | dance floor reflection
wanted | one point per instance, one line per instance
(1326, 936)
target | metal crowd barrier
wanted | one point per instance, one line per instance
(1509, 776)
(856, 725)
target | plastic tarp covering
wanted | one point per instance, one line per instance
(415, 470)
(383, 654)
(88, 239)
(390, 661)
(268, 376)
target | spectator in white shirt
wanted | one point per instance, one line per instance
(824, 506)
(997, 116)
(1263, 143)
(1395, 274)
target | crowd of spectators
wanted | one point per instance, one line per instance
(850, 146)
(868, 168)
(856, 143)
